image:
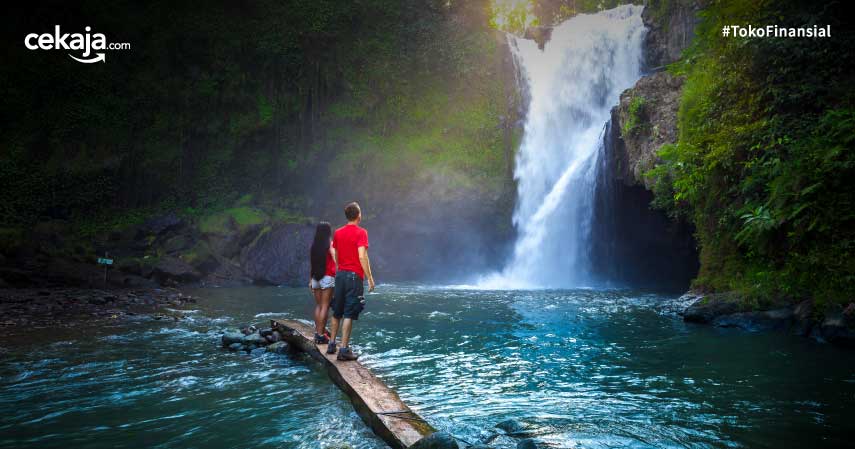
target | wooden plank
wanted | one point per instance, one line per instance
(371, 398)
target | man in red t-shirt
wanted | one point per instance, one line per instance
(351, 253)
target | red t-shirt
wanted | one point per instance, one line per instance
(330, 265)
(346, 241)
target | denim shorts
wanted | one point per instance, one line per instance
(325, 282)
(348, 300)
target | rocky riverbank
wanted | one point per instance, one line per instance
(728, 311)
(28, 308)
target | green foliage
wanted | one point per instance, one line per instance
(764, 157)
(266, 108)
(632, 121)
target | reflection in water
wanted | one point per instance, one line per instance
(581, 368)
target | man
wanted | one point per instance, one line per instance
(351, 253)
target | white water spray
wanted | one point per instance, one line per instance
(572, 85)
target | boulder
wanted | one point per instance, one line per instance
(230, 338)
(710, 308)
(436, 440)
(838, 329)
(171, 269)
(767, 320)
(278, 347)
(803, 319)
(235, 346)
(254, 339)
(527, 443)
(513, 427)
(279, 255)
(163, 223)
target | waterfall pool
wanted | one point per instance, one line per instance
(575, 368)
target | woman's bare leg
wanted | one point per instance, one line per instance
(326, 297)
(320, 320)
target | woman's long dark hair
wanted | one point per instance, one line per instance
(320, 249)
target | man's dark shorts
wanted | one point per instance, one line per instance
(348, 298)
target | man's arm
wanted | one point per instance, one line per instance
(366, 267)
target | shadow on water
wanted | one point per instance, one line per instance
(575, 368)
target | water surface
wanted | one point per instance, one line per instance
(579, 368)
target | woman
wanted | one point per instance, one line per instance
(322, 281)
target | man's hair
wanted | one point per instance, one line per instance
(351, 211)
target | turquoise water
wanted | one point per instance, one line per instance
(578, 368)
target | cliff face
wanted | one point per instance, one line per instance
(671, 25)
(646, 119)
(647, 114)
(633, 243)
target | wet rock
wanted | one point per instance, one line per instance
(230, 338)
(803, 320)
(278, 256)
(276, 336)
(671, 26)
(279, 347)
(436, 440)
(254, 339)
(768, 320)
(711, 307)
(246, 330)
(235, 346)
(646, 117)
(539, 34)
(175, 270)
(838, 329)
(512, 427)
(257, 352)
(527, 443)
(162, 224)
(265, 332)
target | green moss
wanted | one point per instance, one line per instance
(632, 121)
(227, 220)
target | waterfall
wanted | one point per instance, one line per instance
(571, 86)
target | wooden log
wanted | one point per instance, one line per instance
(380, 407)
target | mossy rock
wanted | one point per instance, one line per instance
(230, 220)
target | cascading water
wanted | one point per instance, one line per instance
(571, 84)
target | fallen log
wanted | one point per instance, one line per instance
(378, 406)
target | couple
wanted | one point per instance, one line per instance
(339, 263)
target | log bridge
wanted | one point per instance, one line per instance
(380, 407)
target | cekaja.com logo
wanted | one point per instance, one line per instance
(92, 45)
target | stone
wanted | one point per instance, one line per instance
(710, 308)
(278, 256)
(254, 339)
(436, 440)
(276, 336)
(803, 320)
(161, 224)
(236, 346)
(768, 320)
(230, 338)
(174, 269)
(257, 352)
(835, 329)
(527, 443)
(246, 330)
(512, 427)
(265, 332)
(279, 347)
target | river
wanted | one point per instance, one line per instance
(578, 368)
